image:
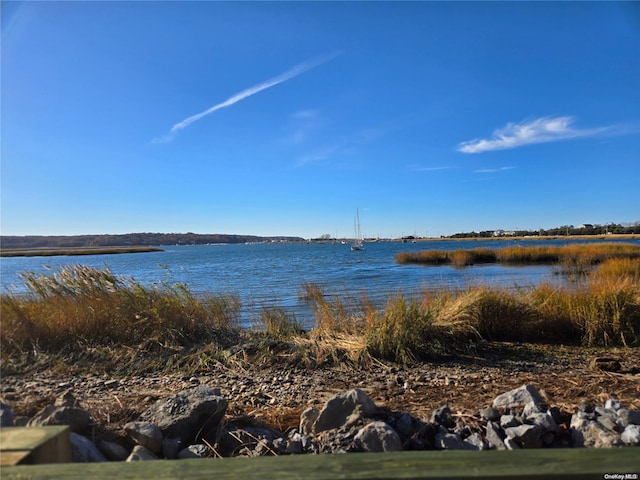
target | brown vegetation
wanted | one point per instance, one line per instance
(51, 252)
(573, 254)
(86, 311)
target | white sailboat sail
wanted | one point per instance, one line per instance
(357, 241)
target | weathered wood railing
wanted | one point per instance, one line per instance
(518, 464)
(34, 445)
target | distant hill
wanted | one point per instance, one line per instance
(106, 240)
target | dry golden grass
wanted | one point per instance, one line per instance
(81, 306)
(577, 254)
(81, 309)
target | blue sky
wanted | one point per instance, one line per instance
(282, 118)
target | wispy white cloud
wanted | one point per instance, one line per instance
(342, 147)
(493, 170)
(302, 126)
(540, 130)
(420, 168)
(283, 77)
(305, 114)
(326, 152)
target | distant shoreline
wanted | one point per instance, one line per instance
(120, 249)
(64, 251)
(617, 236)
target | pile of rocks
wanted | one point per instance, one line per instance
(192, 424)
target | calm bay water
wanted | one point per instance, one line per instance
(273, 274)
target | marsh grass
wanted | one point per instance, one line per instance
(618, 268)
(604, 310)
(89, 315)
(81, 306)
(585, 255)
(277, 323)
(402, 332)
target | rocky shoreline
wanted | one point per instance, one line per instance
(564, 397)
(193, 424)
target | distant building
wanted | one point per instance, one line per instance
(585, 225)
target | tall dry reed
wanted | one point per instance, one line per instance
(578, 254)
(81, 306)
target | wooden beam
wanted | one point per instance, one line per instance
(517, 464)
(36, 445)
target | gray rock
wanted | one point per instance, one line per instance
(146, 434)
(448, 441)
(307, 444)
(613, 404)
(474, 442)
(378, 437)
(556, 414)
(171, 447)
(495, 436)
(490, 414)
(631, 435)
(404, 425)
(113, 451)
(139, 454)
(628, 417)
(188, 415)
(6, 415)
(84, 450)
(544, 421)
(548, 438)
(337, 441)
(518, 397)
(343, 410)
(508, 421)
(307, 419)
(603, 411)
(442, 416)
(587, 409)
(198, 450)
(77, 418)
(610, 422)
(511, 444)
(527, 436)
(295, 444)
(268, 447)
(233, 441)
(578, 425)
(589, 433)
(280, 446)
(532, 408)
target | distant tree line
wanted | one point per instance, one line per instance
(564, 230)
(127, 239)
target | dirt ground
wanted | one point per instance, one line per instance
(276, 395)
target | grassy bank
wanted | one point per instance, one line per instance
(116, 323)
(573, 254)
(55, 251)
(79, 307)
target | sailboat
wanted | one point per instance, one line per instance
(357, 241)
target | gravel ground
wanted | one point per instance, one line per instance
(276, 395)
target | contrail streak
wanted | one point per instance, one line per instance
(283, 77)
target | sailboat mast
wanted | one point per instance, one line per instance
(357, 241)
